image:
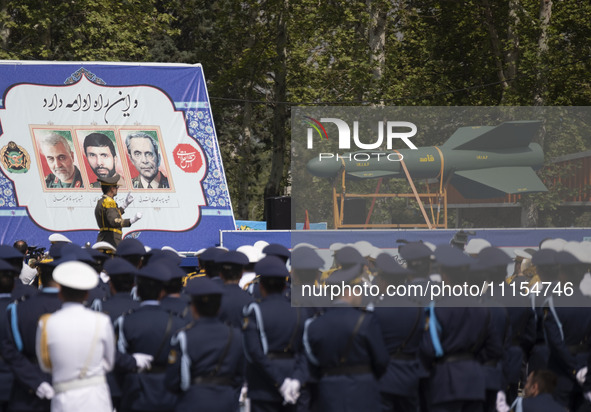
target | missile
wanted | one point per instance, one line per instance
(480, 161)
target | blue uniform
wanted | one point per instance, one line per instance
(19, 349)
(115, 306)
(206, 366)
(402, 328)
(147, 330)
(567, 331)
(6, 377)
(543, 402)
(178, 305)
(467, 339)
(22, 291)
(234, 300)
(273, 346)
(347, 351)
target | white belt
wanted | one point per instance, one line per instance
(79, 383)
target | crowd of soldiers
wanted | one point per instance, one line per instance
(137, 329)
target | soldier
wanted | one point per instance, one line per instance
(567, 327)
(459, 338)
(131, 250)
(108, 214)
(402, 324)
(519, 329)
(231, 266)
(121, 280)
(346, 351)
(147, 330)
(8, 278)
(76, 345)
(206, 362)
(272, 332)
(13, 257)
(18, 349)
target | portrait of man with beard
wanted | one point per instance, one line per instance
(60, 159)
(101, 156)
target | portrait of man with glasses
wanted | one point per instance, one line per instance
(144, 155)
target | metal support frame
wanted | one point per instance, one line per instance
(433, 199)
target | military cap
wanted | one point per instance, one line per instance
(175, 272)
(303, 244)
(76, 275)
(385, 263)
(305, 258)
(261, 244)
(452, 257)
(203, 285)
(490, 257)
(578, 250)
(189, 262)
(171, 257)
(130, 247)
(475, 245)
(72, 249)
(55, 250)
(119, 266)
(233, 257)
(58, 238)
(556, 244)
(365, 248)
(104, 246)
(336, 246)
(252, 253)
(211, 254)
(155, 271)
(275, 249)
(348, 255)
(109, 181)
(544, 257)
(520, 253)
(8, 252)
(414, 251)
(95, 253)
(7, 267)
(566, 258)
(271, 266)
(348, 275)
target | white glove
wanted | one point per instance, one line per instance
(127, 201)
(137, 217)
(285, 393)
(294, 390)
(587, 395)
(45, 391)
(581, 375)
(502, 402)
(143, 361)
(243, 394)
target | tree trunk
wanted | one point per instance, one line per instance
(377, 43)
(275, 182)
(245, 162)
(495, 43)
(542, 52)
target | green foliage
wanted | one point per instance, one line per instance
(435, 52)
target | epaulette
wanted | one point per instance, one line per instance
(109, 203)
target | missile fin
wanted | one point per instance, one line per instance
(496, 182)
(508, 135)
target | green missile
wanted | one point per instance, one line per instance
(480, 161)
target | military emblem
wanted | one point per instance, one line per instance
(15, 159)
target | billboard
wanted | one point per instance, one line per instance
(63, 125)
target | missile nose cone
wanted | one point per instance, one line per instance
(324, 167)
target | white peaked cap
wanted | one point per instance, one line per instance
(578, 250)
(474, 246)
(104, 245)
(310, 245)
(58, 237)
(252, 253)
(171, 250)
(76, 275)
(261, 244)
(554, 244)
